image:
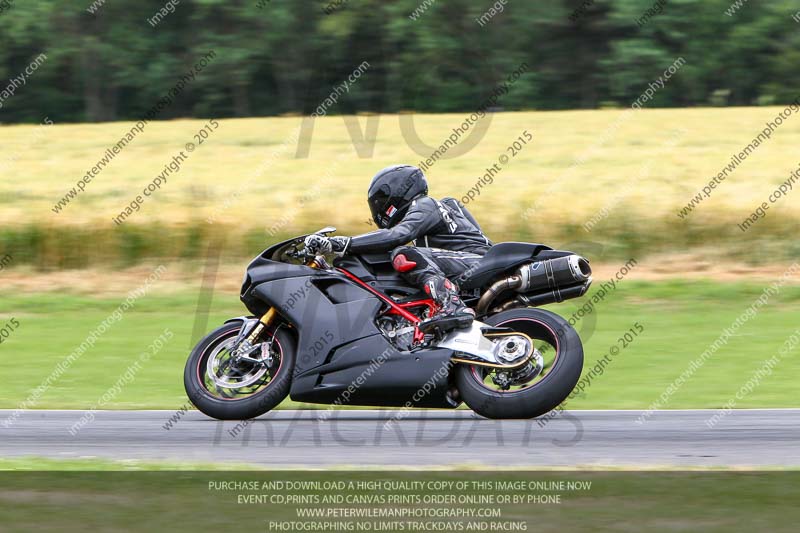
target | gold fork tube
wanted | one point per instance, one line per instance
(269, 316)
(263, 322)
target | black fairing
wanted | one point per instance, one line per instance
(338, 341)
(377, 271)
(370, 371)
(263, 270)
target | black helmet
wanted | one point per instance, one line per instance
(391, 192)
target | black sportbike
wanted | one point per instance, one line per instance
(348, 334)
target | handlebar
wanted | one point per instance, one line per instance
(312, 260)
(307, 258)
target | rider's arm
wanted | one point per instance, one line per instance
(422, 217)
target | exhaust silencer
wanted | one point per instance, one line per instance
(554, 274)
(554, 295)
(542, 282)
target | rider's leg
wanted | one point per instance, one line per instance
(420, 267)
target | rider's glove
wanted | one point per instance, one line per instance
(340, 245)
(319, 244)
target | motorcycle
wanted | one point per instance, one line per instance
(347, 334)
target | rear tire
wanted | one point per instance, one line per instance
(544, 395)
(243, 408)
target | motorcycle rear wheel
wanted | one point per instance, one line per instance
(263, 388)
(549, 390)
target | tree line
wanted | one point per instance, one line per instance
(110, 60)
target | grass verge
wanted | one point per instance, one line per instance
(680, 320)
(509, 501)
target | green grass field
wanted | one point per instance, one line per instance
(188, 501)
(641, 167)
(680, 319)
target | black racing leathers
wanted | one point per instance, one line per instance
(447, 243)
(430, 224)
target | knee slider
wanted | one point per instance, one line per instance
(406, 258)
(401, 263)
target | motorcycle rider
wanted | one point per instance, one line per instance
(447, 241)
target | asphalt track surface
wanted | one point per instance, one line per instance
(744, 438)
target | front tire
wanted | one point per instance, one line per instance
(545, 394)
(269, 390)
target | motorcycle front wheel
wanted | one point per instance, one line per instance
(225, 388)
(534, 389)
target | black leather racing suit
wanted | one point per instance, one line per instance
(447, 242)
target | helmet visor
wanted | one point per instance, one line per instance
(381, 210)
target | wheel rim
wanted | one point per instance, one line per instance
(546, 347)
(226, 379)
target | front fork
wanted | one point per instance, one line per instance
(263, 323)
(246, 341)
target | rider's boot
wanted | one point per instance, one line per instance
(452, 313)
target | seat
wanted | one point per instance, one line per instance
(502, 257)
